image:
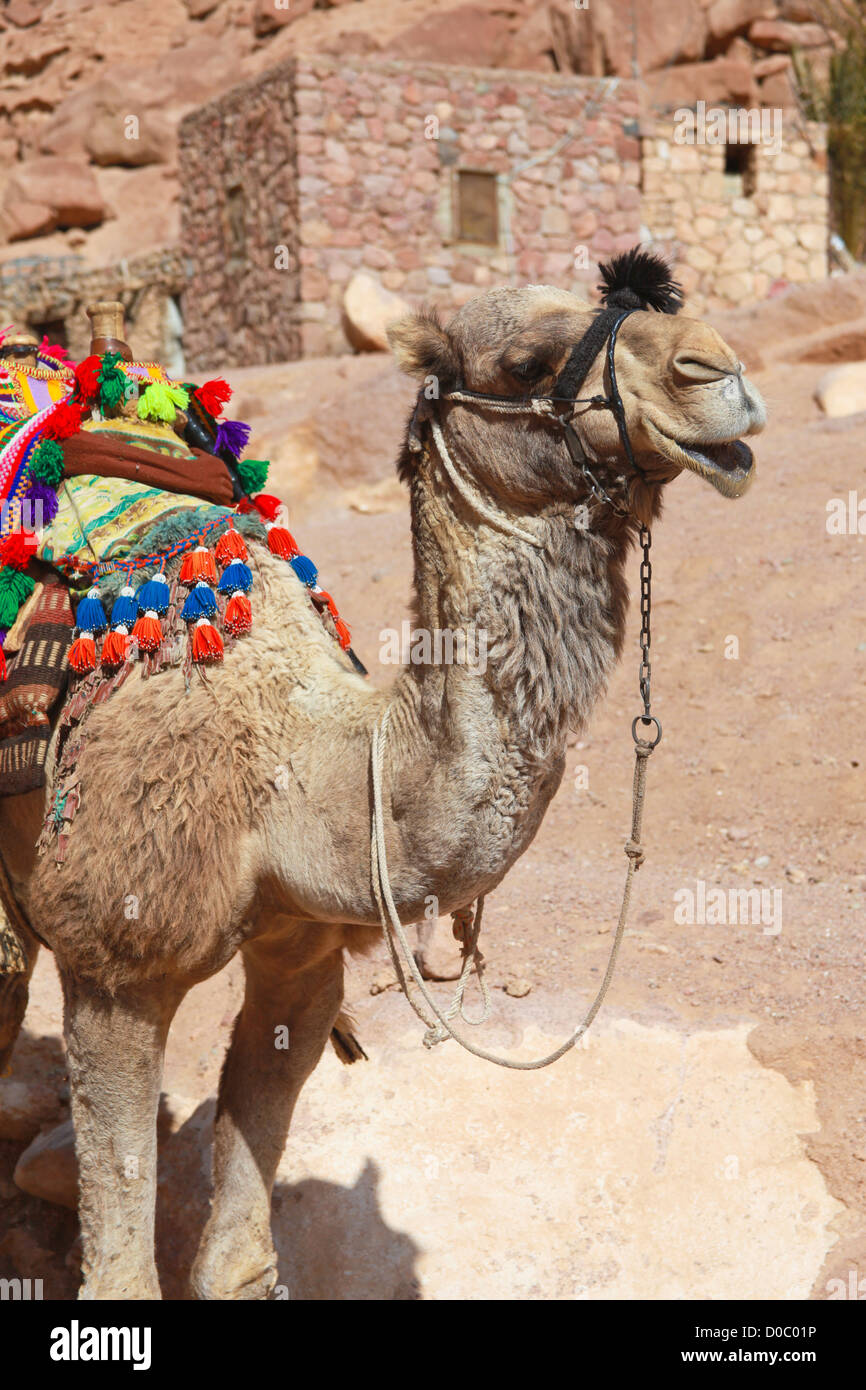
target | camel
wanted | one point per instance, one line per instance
(239, 814)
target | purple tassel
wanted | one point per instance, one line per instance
(40, 494)
(232, 435)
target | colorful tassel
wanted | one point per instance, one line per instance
(15, 589)
(253, 474)
(267, 506)
(281, 542)
(154, 595)
(343, 633)
(232, 436)
(198, 564)
(303, 567)
(115, 648)
(237, 575)
(200, 603)
(207, 645)
(148, 631)
(18, 549)
(90, 615)
(46, 464)
(231, 546)
(238, 617)
(54, 350)
(213, 395)
(82, 654)
(87, 377)
(160, 401)
(64, 420)
(3, 669)
(43, 504)
(112, 381)
(125, 608)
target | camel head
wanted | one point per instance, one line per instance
(686, 401)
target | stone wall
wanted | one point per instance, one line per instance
(239, 226)
(377, 147)
(37, 292)
(731, 235)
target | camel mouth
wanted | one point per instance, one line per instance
(729, 466)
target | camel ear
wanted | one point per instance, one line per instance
(423, 348)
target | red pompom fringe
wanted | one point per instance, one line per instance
(87, 376)
(18, 549)
(2, 665)
(207, 645)
(267, 505)
(213, 395)
(148, 631)
(281, 542)
(64, 420)
(230, 547)
(238, 615)
(198, 564)
(82, 654)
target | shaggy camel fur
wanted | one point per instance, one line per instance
(239, 814)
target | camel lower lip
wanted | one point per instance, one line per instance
(734, 457)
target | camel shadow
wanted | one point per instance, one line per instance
(332, 1241)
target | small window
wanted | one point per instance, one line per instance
(477, 210)
(741, 169)
(235, 223)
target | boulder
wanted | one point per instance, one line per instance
(799, 11)
(48, 1168)
(107, 140)
(842, 391)
(725, 18)
(675, 32)
(22, 219)
(368, 308)
(451, 38)
(200, 9)
(271, 15)
(25, 1106)
(779, 36)
(66, 186)
(23, 13)
(718, 82)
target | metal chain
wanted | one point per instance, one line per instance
(645, 673)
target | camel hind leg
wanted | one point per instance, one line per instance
(294, 991)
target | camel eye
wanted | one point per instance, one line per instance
(532, 369)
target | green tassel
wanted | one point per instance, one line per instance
(253, 474)
(15, 589)
(112, 381)
(161, 402)
(46, 465)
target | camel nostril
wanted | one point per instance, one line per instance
(701, 369)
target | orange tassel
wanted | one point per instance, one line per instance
(281, 542)
(115, 648)
(207, 645)
(239, 614)
(82, 654)
(198, 564)
(230, 547)
(343, 633)
(148, 631)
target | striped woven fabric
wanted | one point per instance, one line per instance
(38, 674)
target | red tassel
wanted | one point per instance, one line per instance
(343, 633)
(18, 549)
(239, 614)
(148, 631)
(281, 542)
(207, 645)
(87, 376)
(198, 564)
(2, 665)
(64, 420)
(267, 505)
(82, 654)
(230, 547)
(213, 395)
(115, 648)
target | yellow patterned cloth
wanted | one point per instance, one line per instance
(103, 518)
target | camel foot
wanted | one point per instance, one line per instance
(220, 1282)
(100, 1288)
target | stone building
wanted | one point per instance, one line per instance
(439, 181)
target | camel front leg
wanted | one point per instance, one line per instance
(115, 1046)
(293, 994)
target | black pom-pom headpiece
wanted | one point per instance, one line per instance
(640, 280)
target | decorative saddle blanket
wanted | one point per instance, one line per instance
(154, 574)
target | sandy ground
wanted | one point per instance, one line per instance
(710, 1140)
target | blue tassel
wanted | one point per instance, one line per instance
(125, 609)
(304, 569)
(236, 576)
(90, 616)
(200, 603)
(154, 595)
